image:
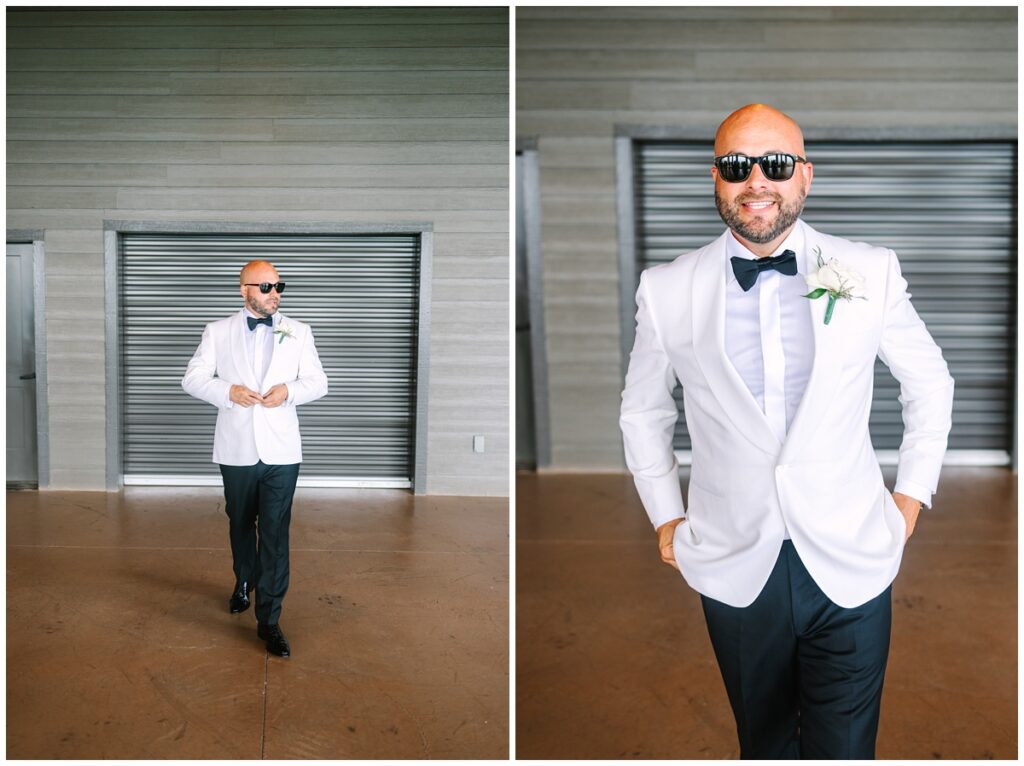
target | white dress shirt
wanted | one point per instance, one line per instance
(768, 333)
(259, 346)
(259, 350)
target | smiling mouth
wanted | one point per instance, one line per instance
(761, 204)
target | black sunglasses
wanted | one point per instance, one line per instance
(266, 287)
(777, 166)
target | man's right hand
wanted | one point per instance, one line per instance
(665, 534)
(244, 396)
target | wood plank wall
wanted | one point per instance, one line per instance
(580, 72)
(277, 116)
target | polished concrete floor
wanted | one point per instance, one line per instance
(613, 658)
(120, 644)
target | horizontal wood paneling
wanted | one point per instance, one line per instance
(392, 107)
(228, 36)
(244, 198)
(272, 17)
(325, 129)
(354, 153)
(690, 34)
(583, 71)
(674, 66)
(382, 129)
(774, 13)
(654, 97)
(258, 60)
(320, 84)
(362, 115)
(299, 176)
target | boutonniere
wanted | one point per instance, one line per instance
(836, 280)
(285, 331)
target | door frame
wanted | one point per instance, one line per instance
(37, 239)
(528, 149)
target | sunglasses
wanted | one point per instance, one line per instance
(266, 287)
(777, 166)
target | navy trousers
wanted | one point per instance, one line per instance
(804, 676)
(258, 501)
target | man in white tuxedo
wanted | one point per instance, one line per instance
(256, 367)
(788, 532)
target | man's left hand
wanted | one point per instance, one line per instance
(276, 396)
(910, 508)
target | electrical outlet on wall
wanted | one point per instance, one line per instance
(478, 443)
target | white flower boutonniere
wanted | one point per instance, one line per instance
(284, 331)
(836, 280)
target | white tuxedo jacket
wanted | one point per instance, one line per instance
(246, 435)
(823, 483)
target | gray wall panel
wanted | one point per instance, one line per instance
(391, 106)
(312, 83)
(284, 116)
(257, 60)
(584, 73)
(128, 17)
(229, 35)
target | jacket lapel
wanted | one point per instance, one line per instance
(827, 366)
(708, 300)
(238, 351)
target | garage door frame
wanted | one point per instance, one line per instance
(626, 138)
(112, 232)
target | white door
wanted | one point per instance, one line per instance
(22, 467)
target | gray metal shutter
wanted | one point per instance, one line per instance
(946, 208)
(358, 293)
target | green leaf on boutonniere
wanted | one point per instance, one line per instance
(816, 293)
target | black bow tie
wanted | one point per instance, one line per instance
(747, 270)
(268, 321)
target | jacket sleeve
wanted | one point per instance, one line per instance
(648, 418)
(201, 379)
(926, 389)
(311, 382)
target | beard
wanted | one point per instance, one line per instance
(256, 308)
(757, 231)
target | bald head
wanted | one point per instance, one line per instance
(257, 271)
(758, 125)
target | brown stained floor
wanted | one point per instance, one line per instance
(613, 658)
(120, 644)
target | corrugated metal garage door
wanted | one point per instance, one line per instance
(358, 293)
(947, 209)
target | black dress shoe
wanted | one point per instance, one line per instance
(240, 598)
(276, 642)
